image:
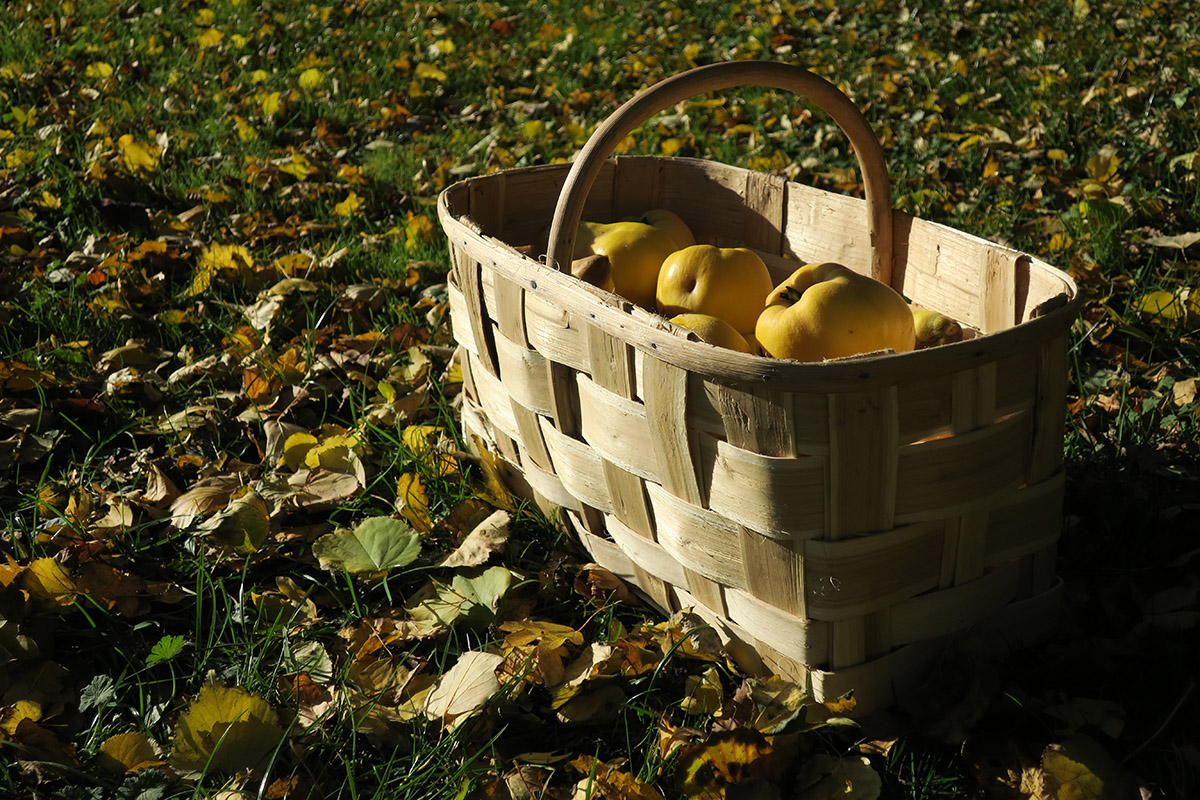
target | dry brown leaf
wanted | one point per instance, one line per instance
(203, 498)
(487, 538)
(464, 688)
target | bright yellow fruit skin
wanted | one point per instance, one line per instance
(725, 282)
(827, 310)
(713, 330)
(636, 251)
(672, 225)
(933, 328)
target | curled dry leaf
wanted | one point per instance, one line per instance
(486, 539)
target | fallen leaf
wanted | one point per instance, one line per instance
(227, 729)
(375, 545)
(485, 540)
(128, 752)
(1079, 769)
(464, 688)
(243, 524)
(1181, 241)
(703, 694)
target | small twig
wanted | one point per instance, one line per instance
(1178, 705)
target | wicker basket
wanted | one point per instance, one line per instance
(836, 521)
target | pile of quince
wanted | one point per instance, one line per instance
(727, 297)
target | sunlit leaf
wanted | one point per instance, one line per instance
(377, 544)
(349, 206)
(243, 524)
(139, 157)
(225, 729)
(703, 694)
(1079, 769)
(429, 71)
(726, 758)
(311, 78)
(467, 685)
(412, 500)
(486, 539)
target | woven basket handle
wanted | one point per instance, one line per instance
(716, 77)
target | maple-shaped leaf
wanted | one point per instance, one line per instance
(225, 728)
(375, 545)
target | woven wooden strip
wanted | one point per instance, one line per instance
(763, 209)
(998, 290)
(1016, 382)
(697, 538)
(551, 333)
(709, 593)
(719, 218)
(948, 476)
(947, 611)
(460, 319)
(635, 186)
(611, 362)
(1049, 419)
(942, 267)
(525, 375)
(826, 227)
(876, 683)
(629, 502)
(665, 393)
(803, 639)
(485, 203)
(970, 555)
(533, 447)
(470, 279)
(649, 554)
(851, 577)
(924, 408)
(863, 452)
(758, 419)
(578, 467)
(973, 398)
(1030, 522)
(775, 572)
(549, 486)
(617, 428)
(777, 496)
(494, 399)
(509, 311)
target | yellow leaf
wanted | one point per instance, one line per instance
(298, 166)
(14, 714)
(430, 71)
(295, 450)
(311, 78)
(1161, 305)
(724, 759)
(99, 69)
(138, 157)
(49, 201)
(245, 130)
(671, 145)
(270, 103)
(1055, 154)
(128, 752)
(226, 729)
(49, 580)
(418, 229)
(334, 454)
(1079, 769)
(348, 206)
(258, 76)
(412, 499)
(703, 693)
(209, 37)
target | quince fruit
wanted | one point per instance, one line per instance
(713, 330)
(933, 328)
(725, 282)
(635, 252)
(672, 225)
(827, 310)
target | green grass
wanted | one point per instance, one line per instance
(1074, 142)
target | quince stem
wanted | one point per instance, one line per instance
(792, 294)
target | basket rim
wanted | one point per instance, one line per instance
(652, 334)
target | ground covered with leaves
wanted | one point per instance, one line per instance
(244, 550)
